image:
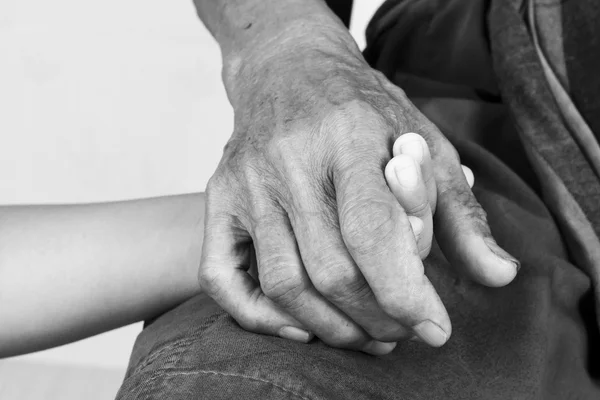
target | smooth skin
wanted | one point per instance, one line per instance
(301, 178)
(72, 271)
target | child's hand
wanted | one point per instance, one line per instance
(409, 175)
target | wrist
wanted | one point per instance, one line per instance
(303, 44)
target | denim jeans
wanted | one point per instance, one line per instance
(530, 340)
(536, 338)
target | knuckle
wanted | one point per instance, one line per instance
(364, 158)
(352, 115)
(288, 162)
(222, 194)
(476, 211)
(262, 200)
(342, 284)
(280, 284)
(269, 220)
(366, 224)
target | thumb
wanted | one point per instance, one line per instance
(463, 232)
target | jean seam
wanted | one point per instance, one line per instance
(169, 345)
(162, 373)
(180, 345)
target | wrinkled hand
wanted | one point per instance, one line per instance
(302, 182)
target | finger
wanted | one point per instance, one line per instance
(403, 175)
(462, 229)
(379, 237)
(468, 175)
(334, 273)
(413, 145)
(284, 280)
(222, 275)
(417, 225)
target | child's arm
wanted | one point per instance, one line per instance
(69, 272)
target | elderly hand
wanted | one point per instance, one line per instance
(302, 182)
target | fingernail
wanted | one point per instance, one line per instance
(416, 224)
(293, 333)
(502, 254)
(414, 149)
(431, 333)
(406, 172)
(378, 348)
(468, 175)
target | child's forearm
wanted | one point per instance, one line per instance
(69, 272)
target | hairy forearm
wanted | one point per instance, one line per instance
(69, 272)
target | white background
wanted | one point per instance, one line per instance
(107, 100)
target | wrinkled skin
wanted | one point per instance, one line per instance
(302, 182)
